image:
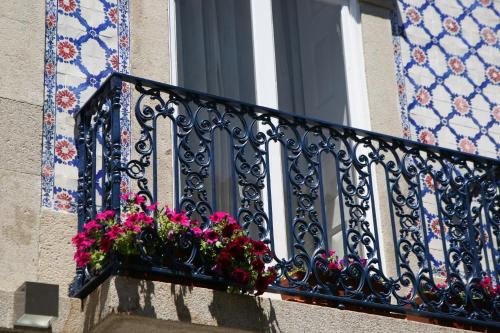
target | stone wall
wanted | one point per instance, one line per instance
(21, 100)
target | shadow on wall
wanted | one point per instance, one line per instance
(236, 312)
(130, 292)
(94, 307)
(244, 312)
(230, 311)
(182, 309)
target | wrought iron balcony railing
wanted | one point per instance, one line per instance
(416, 227)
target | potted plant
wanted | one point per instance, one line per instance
(232, 255)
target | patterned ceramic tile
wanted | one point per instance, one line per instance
(86, 40)
(448, 60)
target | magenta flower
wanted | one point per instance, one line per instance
(169, 213)
(126, 196)
(211, 236)
(82, 258)
(334, 266)
(218, 216)
(181, 219)
(106, 244)
(106, 215)
(139, 199)
(91, 225)
(79, 238)
(197, 231)
(152, 207)
(132, 226)
(114, 232)
(145, 218)
(133, 218)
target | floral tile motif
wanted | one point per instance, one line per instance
(447, 58)
(86, 40)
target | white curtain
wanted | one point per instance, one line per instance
(215, 55)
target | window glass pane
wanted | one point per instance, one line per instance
(311, 82)
(215, 55)
(214, 47)
(309, 59)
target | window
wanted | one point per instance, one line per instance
(286, 54)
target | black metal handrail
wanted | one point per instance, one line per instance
(417, 227)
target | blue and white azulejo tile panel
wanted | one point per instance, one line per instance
(447, 56)
(86, 40)
(448, 62)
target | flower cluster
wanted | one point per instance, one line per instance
(235, 256)
(432, 292)
(104, 233)
(488, 287)
(173, 225)
(226, 251)
(334, 264)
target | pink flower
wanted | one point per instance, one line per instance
(180, 219)
(145, 218)
(114, 232)
(218, 216)
(82, 258)
(334, 266)
(79, 238)
(197, 231)
(139, 199)
(126, 196)
(91, 225)
(152, 207)
(106, 215)
(132, 226)
(211, 236)
(133, 218)
(169, 213)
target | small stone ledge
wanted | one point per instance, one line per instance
(123, 304)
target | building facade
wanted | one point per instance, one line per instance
(422, 70)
